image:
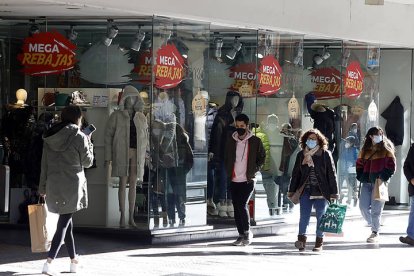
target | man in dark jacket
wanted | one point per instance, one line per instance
(244, 156)
(409, 174)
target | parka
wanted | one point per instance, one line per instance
(117, 137)
(66, 152)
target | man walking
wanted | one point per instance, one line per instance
(409, 174)
(244, 156)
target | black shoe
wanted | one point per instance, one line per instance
(407, 240)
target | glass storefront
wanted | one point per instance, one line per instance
(169, 89)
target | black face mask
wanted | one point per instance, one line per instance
(241, 131)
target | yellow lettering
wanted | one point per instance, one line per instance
(26, 58)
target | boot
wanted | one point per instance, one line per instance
(301, 243)
(318, 245)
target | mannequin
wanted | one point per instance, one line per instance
(223, 126)
(200, 117)
(126, 140)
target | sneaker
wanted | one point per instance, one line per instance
(47, 269)
(248, 237)
(210, 204)
(407, 240)
(239, 241)
(212, 209)
(222, 208)
(373, 238)
(74, 265)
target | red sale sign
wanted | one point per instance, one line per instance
(327, 83)
(47, 53)
(243, 74)
(270, 75)
(353, 80)
(142, 70)
(169, 67)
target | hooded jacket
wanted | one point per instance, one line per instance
(117, 136)
(265, 140)
(66, 152)
(394, 114)
(222, 126)
(255, 154)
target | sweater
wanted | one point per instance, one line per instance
(373, 163)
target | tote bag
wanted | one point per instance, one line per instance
(42, 227)
(380, 192)
(333, 219)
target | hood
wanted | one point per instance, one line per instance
(60, 136)
(130, 91)
(236, 137)
(227, 105)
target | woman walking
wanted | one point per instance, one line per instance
(314, 173)
(66, 152)
(375, 160)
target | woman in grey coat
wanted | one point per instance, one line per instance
(66, 152)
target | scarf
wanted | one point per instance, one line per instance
(307, 159)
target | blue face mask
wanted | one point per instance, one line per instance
(311, 143)
(377, 139)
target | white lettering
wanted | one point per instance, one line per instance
(43, 48)
(147, 60)
(244, 76)
(269, 70)
(167, 61)
(352, 75)
(323, 79)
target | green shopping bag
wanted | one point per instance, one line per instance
(333, 219)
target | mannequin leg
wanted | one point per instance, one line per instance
(121, 199)
(132, 194)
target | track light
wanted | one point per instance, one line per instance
(298, 60)
(136, 44)
(263, 48)
(72, 34)
(318, 59)
(34, 28)
(218, 44)
(111, 33)
(235, 48)
(181, 47)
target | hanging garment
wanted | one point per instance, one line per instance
(394, 128)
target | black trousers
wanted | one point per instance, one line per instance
(241, 193)
(64, 232)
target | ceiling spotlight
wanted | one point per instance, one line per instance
(34, 28)
(182, 48)
(136, 44)
(318, 59)
(111, 33)
(298, 60)
(345, 57)
(263, 47)
(218, 44)
(72, 34)
(235, 48)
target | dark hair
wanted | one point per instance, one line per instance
(242, 117)
(322, 141)
(71, 114)
(386, 143)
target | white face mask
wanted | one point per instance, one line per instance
(377, 139)
(347, 145)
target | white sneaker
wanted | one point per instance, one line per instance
(210, 204)
(74, 265)
(373, 238)
(47, 269)
(248, 238)
(212, 209)
(222, 208)
(239, 241)
(230, 210)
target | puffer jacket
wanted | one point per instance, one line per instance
(265, 140)
(324, 170)
(66, 152)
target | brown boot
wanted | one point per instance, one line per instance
(301, 243)
(318, 244)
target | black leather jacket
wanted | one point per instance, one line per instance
(324, 169)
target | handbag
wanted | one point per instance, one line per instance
(42, 227)
(333, 219)
(296, 196)
(380, 192)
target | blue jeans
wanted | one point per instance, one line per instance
(306, 204)
(371, 209)
(217, 178)
(410, 228)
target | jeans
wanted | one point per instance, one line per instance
(410, 228)
(241, 193)
(371, 209)
(306, 205)
(217, 178)
(64, 232)
(176, 196)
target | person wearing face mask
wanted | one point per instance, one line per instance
(346, 171)
(314, 174)
(244, 157)
(126, 140)
(375, 160)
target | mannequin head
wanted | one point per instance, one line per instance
(234, 101)
(131, 100)
(21, 96)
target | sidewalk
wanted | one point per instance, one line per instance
(267, 255)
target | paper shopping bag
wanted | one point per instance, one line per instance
(333, 219)
(42, 227)
(380, 192)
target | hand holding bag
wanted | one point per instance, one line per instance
(333, 219)
(42, 227)
(380, 192)
(295, 198)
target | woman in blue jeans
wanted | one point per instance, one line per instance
(375, 160)
(314, 173)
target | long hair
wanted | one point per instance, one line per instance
(322, 141)
(386, 143)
